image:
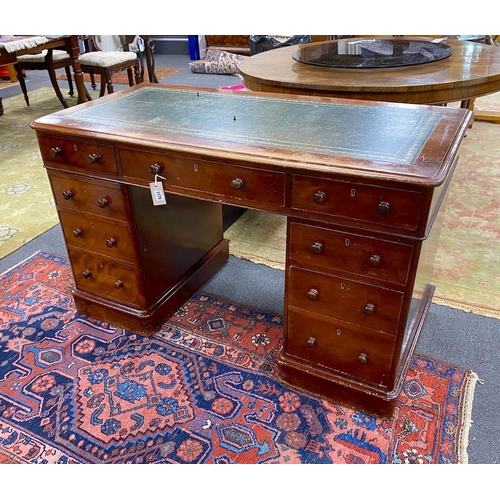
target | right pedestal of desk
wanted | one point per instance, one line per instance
(358, 287)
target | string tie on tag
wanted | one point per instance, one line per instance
(156, 179)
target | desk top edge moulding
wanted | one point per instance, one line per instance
(352, 136)
(363, 186)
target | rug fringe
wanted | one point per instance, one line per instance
(482, 311)
(466, 418)
(258, 260)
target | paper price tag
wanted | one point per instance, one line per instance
(157, 193)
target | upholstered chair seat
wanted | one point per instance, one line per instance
(105, 59)
(49, 60)
(107, 62)
(57, 56)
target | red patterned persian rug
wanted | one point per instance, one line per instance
(202, 390)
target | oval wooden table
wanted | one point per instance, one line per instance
(473, 70)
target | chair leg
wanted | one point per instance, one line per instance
(52, 75)
(88, 48)
(70, 81)
(102, 90)
(57, 90)
(109, 81)
(138, 76)
(141, 57)
(130, 77)
(21, 78)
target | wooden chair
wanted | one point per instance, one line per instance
(107, 62)
(48, 60)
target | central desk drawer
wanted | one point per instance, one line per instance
(347, 300)
(220, 181)
(86, 195)
(77, 153)
(365, 204)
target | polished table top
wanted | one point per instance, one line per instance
(471, 71)
(12, 47)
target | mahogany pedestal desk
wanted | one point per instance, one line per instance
(362, 184)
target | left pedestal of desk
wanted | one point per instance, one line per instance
(134, 263)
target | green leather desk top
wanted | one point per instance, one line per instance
(336, 132)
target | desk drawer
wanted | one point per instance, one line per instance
(85, 195)
(347, 300)
(103, 277)
(346, 252)
(77, 153)
(224, 182)
(108, 237)
(365, 204)
(357, 353)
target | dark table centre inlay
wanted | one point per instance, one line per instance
(373, 53)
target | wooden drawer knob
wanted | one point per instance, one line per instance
(155, 169)
(311, 342)
(316, 248)
(313, 294)
(95, 158)
(54, 152)
(111, 242)
(67, 194)
(374, 260)
(319, 197)
(77, 233)
(362, 359)
(86, 274)
(118, 284)
(384, 207)
(103, 203)
(237, 183)
(369, 310)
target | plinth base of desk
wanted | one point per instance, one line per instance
(374, 402)
(147, 322)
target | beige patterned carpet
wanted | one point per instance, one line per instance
(467, 271)
(27, 207)
(467, 264)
